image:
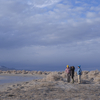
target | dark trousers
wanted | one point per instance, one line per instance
(72, 78)
(68, 77)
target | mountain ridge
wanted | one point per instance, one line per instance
(3, 68)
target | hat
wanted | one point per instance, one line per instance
(79, 65)
(67, 66)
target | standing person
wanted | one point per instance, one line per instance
(72, 69)
(67, 70)
(79, 73)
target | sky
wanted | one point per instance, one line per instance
(47, 35)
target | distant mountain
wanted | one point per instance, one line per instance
(3, 68)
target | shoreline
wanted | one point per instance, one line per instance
(53, 86)
(3, 86)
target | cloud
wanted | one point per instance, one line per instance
(19, 29)
(77, 2)
(43, 31)
(44, 3)
(91, 14)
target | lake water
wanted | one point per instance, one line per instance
(14, 79)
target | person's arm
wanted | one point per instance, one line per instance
(78, 72)
(81, 71)
(65, 70)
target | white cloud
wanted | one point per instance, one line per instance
(95, 8)
(77, 2)
(44, 3)
(91, 14)
(46, 33)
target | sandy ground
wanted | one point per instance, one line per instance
(43, 89)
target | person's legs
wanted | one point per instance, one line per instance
(72, 79)
(79, 79)
(68, 77)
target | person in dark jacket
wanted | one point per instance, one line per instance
(72, 69)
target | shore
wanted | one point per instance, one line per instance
(53, 86)
(5, 77)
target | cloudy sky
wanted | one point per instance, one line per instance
(49, 34)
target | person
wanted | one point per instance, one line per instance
(72, 69)
(67, 70)
(79, 73)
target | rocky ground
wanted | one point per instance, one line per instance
(55, 87)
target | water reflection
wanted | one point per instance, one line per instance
(14, 79)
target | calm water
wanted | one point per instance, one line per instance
(14, 79)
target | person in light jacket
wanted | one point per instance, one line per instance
(67, 70)
(79, 73)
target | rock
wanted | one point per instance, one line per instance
(39, 72)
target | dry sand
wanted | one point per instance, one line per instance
(54, 87)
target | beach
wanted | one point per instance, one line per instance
(53, 86)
